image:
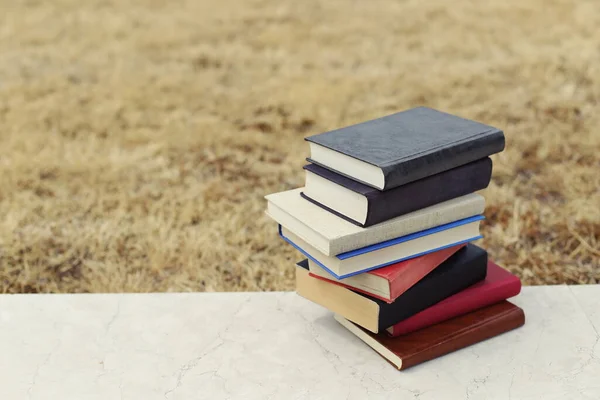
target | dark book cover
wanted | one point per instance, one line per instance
(498, 285)
(399, 277)
(437, 340)
(413, 196)
(413, 144)
(464, 268)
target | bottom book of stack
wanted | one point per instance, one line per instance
(437, 340)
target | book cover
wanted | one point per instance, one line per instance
(498, 285)
(463, 269)
(413, 196)
(411, 145)
(390, 252)
(443, 338)
(394, 279)
(332, 235)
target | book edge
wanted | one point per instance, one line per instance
(368, 316)
(370, 294)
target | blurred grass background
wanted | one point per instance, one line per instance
(138, 138)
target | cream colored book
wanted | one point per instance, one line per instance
(332, 235)
(391, 252)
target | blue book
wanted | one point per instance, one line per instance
(391, 251)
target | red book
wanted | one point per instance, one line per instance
(498, 285)
(388, 283)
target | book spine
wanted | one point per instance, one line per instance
(506, 322)
(451, 308)
(429, 191)
(404, 171)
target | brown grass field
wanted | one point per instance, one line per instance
(137, 139)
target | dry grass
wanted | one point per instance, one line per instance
(137, 139)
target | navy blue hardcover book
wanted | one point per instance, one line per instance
(382, 206)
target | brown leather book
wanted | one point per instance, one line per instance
(437, 340)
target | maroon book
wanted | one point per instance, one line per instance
(498, 285)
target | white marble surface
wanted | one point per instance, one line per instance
(278, 346)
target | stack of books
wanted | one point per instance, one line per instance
(386, 220)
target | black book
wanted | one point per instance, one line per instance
(463, 269)
(392, 151)
(364, 206)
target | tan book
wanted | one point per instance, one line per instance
(332, 235)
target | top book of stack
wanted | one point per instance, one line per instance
(392, 151)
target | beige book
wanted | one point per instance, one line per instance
(342, 268)
(357, 308)
(332, 235)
